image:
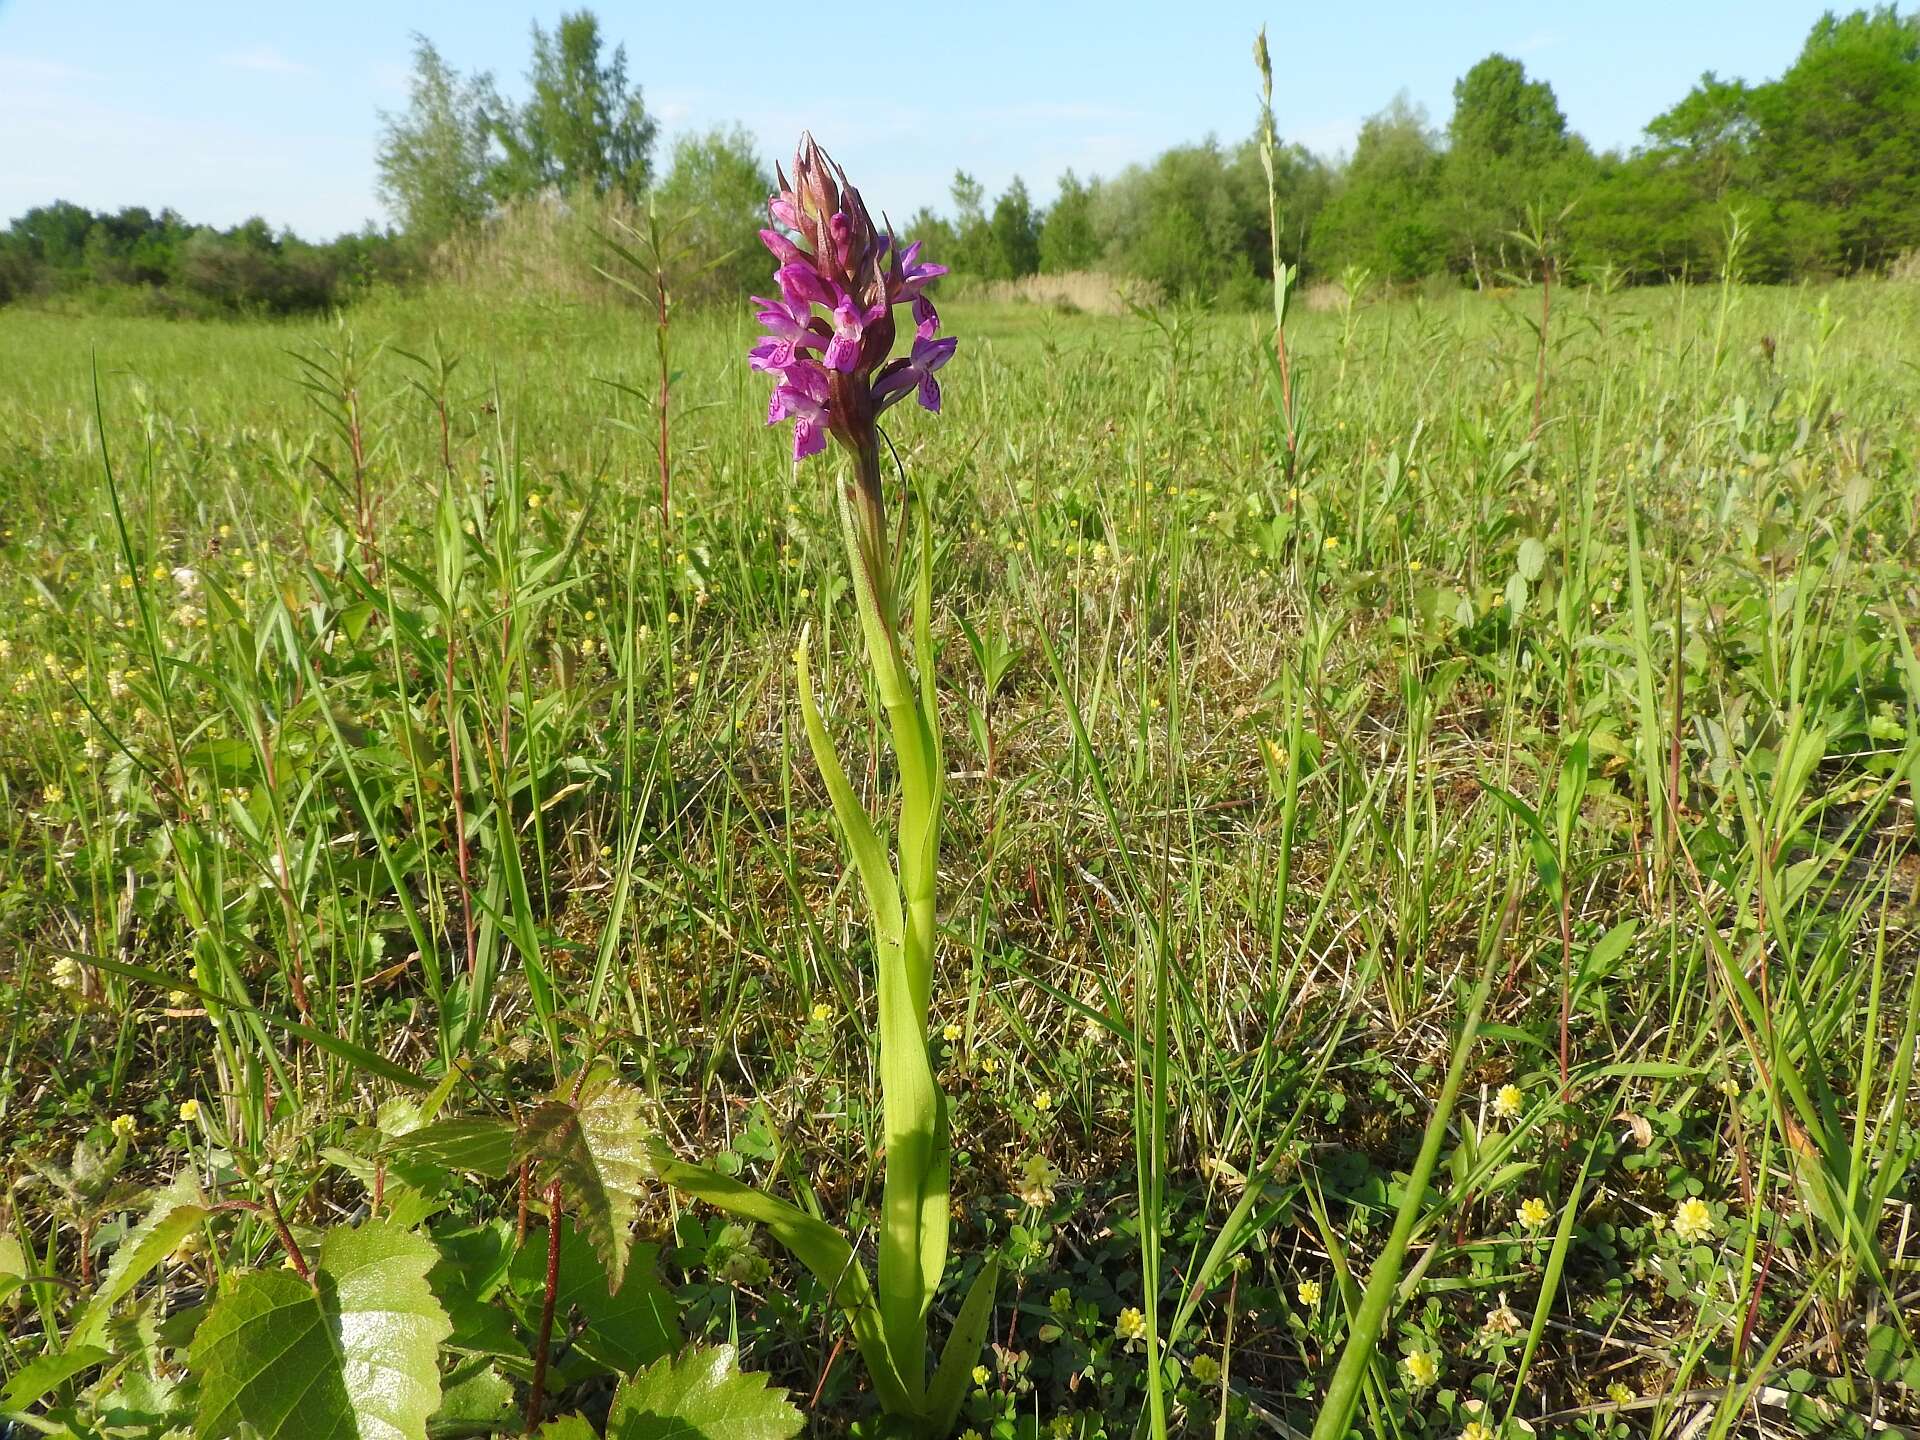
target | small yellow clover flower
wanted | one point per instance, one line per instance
(950, 1032)
(1475, 1430)
(1421, 1368)
(1620, 1394)
(1130, 1325)
(123, 1127)
(1308, 1292)
(1534, 1213)
(822, 1012)
(189, 1111)
(1508, 1101)
(1692, 1220)
(1043, 1101)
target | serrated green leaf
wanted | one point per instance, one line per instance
(484, 1397)
(701, 1395)
(40, 1377)
(174, 1213)
(596, 1147)
(624, 1330)
(474, 1263)
(356, 1359)
(568, 1427)
(479, 1145)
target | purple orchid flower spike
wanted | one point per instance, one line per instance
(829, 339)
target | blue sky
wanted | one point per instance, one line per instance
(224, 110)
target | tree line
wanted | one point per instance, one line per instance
(1815, 173)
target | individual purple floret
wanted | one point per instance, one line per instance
(917, 370)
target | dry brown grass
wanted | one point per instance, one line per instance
(546, 245)
(1090, 292)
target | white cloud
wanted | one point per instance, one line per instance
(263, 59)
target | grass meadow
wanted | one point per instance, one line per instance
(1476, 849)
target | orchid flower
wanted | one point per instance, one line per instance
(917, 370)
(828, 344)
(841, 277)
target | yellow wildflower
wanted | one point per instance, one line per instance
(950, 1032)
(822, 1012)
(1534, 1213)
(1508, 1101)
(1308, 1292)
(123, 1127)
(1420, 1368)
(1130, 1326)
(1037, 1179)
(189, 1111)
(1043, 1101)
(1692, 1220)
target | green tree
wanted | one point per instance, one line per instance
(1507, 148)
(1382, 213)
(715, 193)
(1838, 141)
(434, 159)
(937, 238)
(1068, 240)
(582, 127)
(1193, 222)
(972, 241)
(1015, 234)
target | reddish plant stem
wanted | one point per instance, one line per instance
(520, 1219)
(459, 811)
(536, 1396)
(839, 1342)
(271, 1209)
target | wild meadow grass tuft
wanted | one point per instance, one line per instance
(1426, 923)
